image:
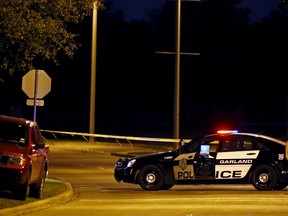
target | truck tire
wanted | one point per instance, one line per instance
(264, 177)
(36, 190)
(150, 178)
(22, 191)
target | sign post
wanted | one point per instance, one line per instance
(36, 84)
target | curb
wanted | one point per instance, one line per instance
(66, 196)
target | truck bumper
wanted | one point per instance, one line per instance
(9, 179)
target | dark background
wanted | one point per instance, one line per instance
(237, 82)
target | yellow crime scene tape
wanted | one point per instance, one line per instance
(150, 139)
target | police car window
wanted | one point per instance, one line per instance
(192, 146)
(247, 145)
(231, 145)
(239, 144)
(261, 146)
(213, 145)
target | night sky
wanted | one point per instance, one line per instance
(139, 9)
(227, 86)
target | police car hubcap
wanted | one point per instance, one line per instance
(150, 178)
(263, 178)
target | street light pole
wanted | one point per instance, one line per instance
(93, 72)
(177, 73)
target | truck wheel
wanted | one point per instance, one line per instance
(264, 177)
(22, 191)
(150, 178)
(36, 190)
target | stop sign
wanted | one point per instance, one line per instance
(38, 78)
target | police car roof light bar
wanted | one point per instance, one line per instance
(226, 131)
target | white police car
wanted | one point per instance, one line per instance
(225, 157)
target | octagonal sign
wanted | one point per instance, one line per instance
(36, 82)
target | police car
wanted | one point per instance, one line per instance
(223, 157)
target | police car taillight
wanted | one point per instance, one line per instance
(226, 131)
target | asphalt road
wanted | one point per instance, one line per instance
(89, 169)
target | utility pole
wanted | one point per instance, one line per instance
(177, 74)
(177, 53)
(93, 71)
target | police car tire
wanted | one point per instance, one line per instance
(268, 172)
(150, 177)
(166, 187)
(280, 186)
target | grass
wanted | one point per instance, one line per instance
(52, 188)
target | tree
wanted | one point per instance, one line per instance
(34, 30)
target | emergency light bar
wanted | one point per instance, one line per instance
(227, 131)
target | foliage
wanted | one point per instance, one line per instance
(38, 29)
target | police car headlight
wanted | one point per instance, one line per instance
(131, 163)
(11, 160)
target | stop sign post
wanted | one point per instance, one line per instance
(36, 84)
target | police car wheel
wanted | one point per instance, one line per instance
(280, 186)
(150, 178)
(264, 177)
(166, 187)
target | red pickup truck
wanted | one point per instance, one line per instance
(24, 158)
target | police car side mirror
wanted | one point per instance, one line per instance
(182, 142)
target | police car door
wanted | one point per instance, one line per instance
(184, 163)
(234, 158)
(195, 162)
(183, 167)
